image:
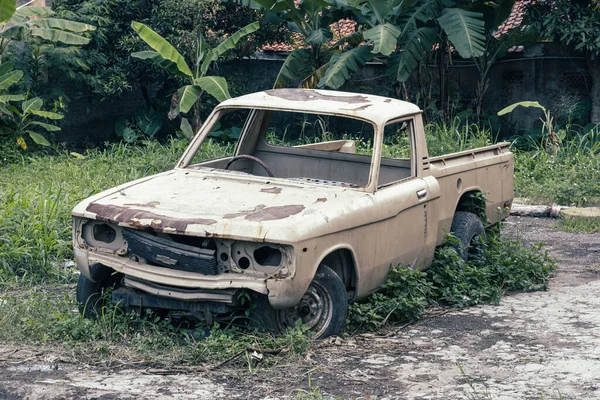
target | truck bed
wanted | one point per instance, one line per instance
(468, 171)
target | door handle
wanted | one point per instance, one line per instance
(421, 194)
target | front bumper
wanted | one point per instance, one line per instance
(166, 276)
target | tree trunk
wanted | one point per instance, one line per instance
(443, 78)
(594, 71)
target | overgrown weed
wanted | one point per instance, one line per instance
(578, 224)
(510, 266)
(455, 136)
(568, 178)
(49, 315)
(37, 195)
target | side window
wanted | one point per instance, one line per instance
(223, 136)
(396, 153)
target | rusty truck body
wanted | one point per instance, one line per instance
(323, 192)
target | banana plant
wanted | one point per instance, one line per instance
(405, 30)
(8, 77)
(166, 56)
(26, 22)
(548, 133)
(310, 65)
(29, 120)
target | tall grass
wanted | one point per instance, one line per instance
(570, 177)
(38, 192)
(47, 315)
(37, 195)
(454, 136)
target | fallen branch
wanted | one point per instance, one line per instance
(251, 350)
(522, 210)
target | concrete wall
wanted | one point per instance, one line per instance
(542, 73)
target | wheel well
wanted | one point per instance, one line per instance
(342, 263)
(474, 202)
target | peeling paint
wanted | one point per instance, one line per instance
(274, 213)
(263, 213)
(358, 108)
(313, 95)
(144, 219)
(274, 190)
(150, 204)
(244, 212)
(321, 200)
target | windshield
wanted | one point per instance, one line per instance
(316, 148)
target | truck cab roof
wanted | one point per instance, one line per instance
(375, 109)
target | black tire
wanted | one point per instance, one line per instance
(89, 294)
(323, 308)
(469, 230)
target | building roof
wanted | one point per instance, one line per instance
(339, 29)
(347, 26)
(515, 18)
(367, 107)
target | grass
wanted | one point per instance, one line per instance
(47, 315)
(568, 178)
(37, 193)
(578, 224)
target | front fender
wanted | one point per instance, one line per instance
(288, 292)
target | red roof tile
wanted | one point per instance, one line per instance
(345, 27)
(339, 29)
(515, 18)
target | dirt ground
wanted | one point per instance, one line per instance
(532, 346)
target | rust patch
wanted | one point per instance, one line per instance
(321, 200)
(274, 190)
(244, 212)
(387, 101)
(275, 213)
(312, 95)
(133, 217)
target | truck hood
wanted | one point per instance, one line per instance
(231, 205)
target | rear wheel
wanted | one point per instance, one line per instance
(469, 230)
(322, 309)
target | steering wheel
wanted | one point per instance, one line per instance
(249, 157)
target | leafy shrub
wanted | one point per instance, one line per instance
(403, 297)
(103, 69)
(510, 266)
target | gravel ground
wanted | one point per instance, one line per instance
(533, 345)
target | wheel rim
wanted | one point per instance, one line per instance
(315, 310)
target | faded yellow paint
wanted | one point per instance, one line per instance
(399, 222)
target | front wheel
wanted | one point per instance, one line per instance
(90, 295)
(322, 309)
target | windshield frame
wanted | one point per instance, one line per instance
(202, 135)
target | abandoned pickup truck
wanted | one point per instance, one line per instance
(319, 194)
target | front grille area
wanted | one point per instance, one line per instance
(170, 254)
